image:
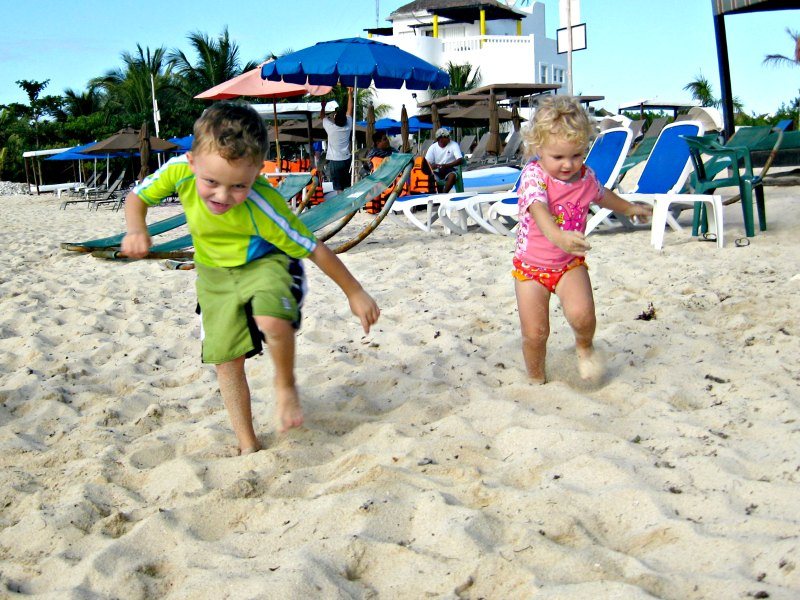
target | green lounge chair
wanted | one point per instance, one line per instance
(735, 157)
(341, 208)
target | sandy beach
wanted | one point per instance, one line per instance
(428, 467)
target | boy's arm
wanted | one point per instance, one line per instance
(573, 242)
(136, 243)
(361, 303)
(349, 102)
(613, 202)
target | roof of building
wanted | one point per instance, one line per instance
(463, 11)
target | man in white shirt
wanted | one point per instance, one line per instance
(338, 152)
(444, 157)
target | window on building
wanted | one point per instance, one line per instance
(558, 75)
(543, 72)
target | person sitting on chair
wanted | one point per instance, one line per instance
(444, 158)
(380, 146)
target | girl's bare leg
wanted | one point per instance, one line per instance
(280, 340)
(236, 397)
(575, 293)
(533, 304)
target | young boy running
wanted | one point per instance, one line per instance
(248, 243)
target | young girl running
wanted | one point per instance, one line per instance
(554, 196)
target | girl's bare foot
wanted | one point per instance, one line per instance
(590, 365)
(249, 450)
(288, 411)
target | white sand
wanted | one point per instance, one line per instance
(428, 467)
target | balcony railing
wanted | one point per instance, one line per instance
(472, 43)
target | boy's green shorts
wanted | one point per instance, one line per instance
(229, 297)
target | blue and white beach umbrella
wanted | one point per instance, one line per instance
(355, 62)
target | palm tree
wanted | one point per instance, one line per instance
(461, 79)
(130, 89)
(780, 59)
(702, 91)
(217, 62)
(82, 104)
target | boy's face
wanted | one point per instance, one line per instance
(222, 184)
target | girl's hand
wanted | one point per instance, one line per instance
(640, 213)
(574, 242)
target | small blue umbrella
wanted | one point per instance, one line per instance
(184, 144)
(390, 126)
(76, 153)
(415, 125)
(356, 62)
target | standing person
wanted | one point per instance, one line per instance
(444, 157)
(339, 131)
(248, 243)
(555, 191)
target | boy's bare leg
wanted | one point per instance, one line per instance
(533, 304)
(236, 397)
(575, 292)
(280, 339)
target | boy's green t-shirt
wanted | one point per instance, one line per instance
(260, 225)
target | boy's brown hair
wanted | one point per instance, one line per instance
(233, 130)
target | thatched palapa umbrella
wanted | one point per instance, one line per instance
(515, 118)
(494, 144)
(404, 129)
(370, 123)
(144, 151)
(435, 121)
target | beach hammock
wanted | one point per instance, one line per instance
(332, 214)
(288, 188)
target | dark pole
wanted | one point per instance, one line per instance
(726, 99)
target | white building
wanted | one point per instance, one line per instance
(505, 40)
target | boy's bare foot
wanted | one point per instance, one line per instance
(590, 365)
(288, 411)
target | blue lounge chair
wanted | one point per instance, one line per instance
(663, 179)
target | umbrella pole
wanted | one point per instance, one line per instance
(353, 149)
(277, 143)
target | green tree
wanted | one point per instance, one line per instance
(217, 61)
(701, 90)
(462, 78)
(780, 59)
(34, 89)
(129, 90)
(82, 104)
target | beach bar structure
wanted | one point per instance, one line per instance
(508, 44)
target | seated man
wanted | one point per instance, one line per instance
(380, 150)
(380, 146)
(444, 158)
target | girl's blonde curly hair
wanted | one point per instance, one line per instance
(561, 117)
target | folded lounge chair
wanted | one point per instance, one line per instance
(393, 171)
(109, 195)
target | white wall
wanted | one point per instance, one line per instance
(503, 57)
